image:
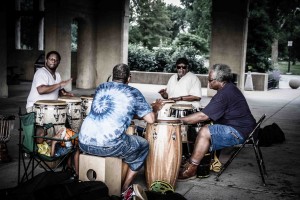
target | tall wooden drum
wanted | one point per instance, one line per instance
(164, 158)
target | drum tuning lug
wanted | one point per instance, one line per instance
(154, 136)
(174, 136)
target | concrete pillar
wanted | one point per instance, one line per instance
(125, 33)
(3, 54)
(229, 36)
(110, 38)
(86, 62)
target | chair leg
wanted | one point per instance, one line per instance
(260, 163)
(224, 167)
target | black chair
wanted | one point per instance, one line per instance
(252, 139)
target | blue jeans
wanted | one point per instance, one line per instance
(133, 150)
(224, 136)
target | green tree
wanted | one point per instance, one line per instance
(150, 23)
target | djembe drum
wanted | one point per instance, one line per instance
(6, 125)
(164, 158)
(51, 111)
(74, 116)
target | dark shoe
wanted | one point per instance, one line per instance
(188, 172)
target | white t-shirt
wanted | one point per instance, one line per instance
(189, 84)
(42, 77)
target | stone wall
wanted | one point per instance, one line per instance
(260, 80)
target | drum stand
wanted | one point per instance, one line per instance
(6, 126)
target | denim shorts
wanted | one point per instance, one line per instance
(133, 151)
(60, 151)
(224, 136)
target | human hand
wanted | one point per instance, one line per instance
(64, 83)
(157, 105)
(163, 93)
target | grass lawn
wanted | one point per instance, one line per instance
(294, 69)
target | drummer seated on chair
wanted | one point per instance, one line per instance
(229, 111)
(54, 148)
(103, 132)
(183, 87)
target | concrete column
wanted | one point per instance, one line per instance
(3, 54)
(110, 38)
(125, 33)
(86, 61)
(229, 36)
(63, 44)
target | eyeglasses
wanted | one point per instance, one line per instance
(181, 66)
(210, 80)
(53, 59)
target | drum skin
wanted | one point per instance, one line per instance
(164, 158)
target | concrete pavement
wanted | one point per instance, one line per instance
(242, 179)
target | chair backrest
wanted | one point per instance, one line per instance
(257, 126)
(28, 127)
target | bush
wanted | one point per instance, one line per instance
(164, 59)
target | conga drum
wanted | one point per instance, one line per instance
(51, 111)
(86, 104)
(164, 158)
(165, 110)
(182, 110)
(74, 115)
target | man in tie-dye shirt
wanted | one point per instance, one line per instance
(103, 132)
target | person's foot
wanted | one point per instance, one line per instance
(128, 193)
(188, 172)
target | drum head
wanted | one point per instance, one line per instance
(51, 102)
(69, 99)
(171, 120)
(86, 97)
(168, 101)
(182, 106)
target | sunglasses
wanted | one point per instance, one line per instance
(181, 66)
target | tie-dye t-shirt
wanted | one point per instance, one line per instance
(112, 110)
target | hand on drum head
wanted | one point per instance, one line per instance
(157, 105)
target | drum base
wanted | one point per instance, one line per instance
(4, 157)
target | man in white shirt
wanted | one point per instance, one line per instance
(47, 83)
(183, 87)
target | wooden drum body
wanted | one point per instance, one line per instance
(74, 115)
(51, 111)
(86, 104)
(164, 158)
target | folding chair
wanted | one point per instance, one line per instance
(28, 146)
(252, 139)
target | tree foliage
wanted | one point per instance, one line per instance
(150, 23)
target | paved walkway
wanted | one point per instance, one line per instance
(242, 179)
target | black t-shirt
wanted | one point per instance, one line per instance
(229, 107)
